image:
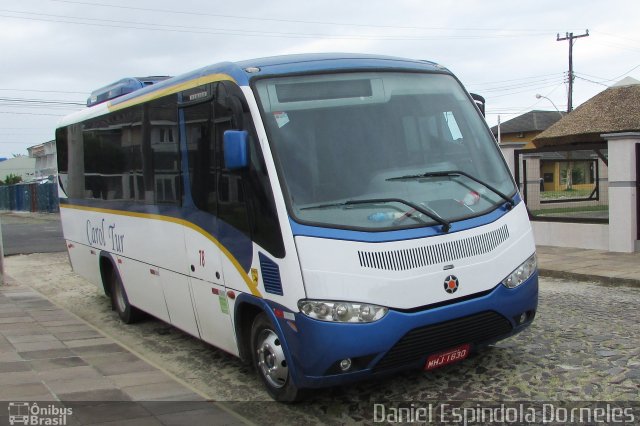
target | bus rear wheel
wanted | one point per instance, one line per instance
(120, 302)
(270, 361)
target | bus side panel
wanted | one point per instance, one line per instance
(151, 239)
(179, 300)
(212, 307)
(84, 258)
(142, 283)
(85, 262)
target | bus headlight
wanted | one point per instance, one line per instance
(342, 311)
(522, 273)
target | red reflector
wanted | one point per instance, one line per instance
(120, 261)
(70, 245)
(231, 294)
(278, 313)
(153, 272)
(92, 251)
(215, 291)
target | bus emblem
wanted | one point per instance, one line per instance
(451, 284)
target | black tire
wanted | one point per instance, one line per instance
(270, 362)
(120, 302)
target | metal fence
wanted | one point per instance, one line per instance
(31, 197)
(565, 183)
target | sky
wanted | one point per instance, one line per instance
(53, 53)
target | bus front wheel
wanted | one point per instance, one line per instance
(270, 361)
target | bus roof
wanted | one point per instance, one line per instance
(243, 72)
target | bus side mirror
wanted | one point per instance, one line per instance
(236, 149)
(480, 102)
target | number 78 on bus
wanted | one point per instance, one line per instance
(327, 218)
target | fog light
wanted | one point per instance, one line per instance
(523, 318)
(345, 364)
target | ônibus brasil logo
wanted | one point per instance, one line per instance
(451, 284)
(26, 413)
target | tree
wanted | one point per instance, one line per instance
(12, 179)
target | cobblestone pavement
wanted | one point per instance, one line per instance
(582, 346)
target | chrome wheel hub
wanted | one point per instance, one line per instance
(271, 361)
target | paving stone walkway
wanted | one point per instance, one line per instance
(590, 265)
(51, 358)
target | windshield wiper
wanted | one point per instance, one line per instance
(458, 173)
(445, 224)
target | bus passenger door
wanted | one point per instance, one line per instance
(203, 248)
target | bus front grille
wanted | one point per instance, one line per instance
(420, 342)
(432, 254)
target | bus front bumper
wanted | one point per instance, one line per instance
(403, 340)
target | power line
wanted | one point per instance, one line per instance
(617, 36)
(295, 21)
(41, 91)
(110, 23)
(521, 85)
(41, 101)
(590, 81)
(538, 101)
(617, 46)
(37, 106)
(513, 79)
(625, 46)
(30, 113)
(528, 90)
(603, 80)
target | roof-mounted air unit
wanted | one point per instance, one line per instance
(121, 87)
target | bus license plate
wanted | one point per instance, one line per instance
(448, 357)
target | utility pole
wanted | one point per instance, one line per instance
(571, 37)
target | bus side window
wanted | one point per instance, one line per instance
(245, 196)
(112, 155)
(232, 208)
(202, 156)
(162, 175)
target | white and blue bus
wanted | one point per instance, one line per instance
(328, 218)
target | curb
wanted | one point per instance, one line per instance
(597, 279)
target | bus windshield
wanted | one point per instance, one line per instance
(381, 150)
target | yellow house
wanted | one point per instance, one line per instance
(525, 127)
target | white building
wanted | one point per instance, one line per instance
(45, 159)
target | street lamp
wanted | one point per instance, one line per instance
(538, 96)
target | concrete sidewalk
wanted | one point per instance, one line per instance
(50, 357)
(589, 265)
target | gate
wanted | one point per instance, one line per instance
(566, 183)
